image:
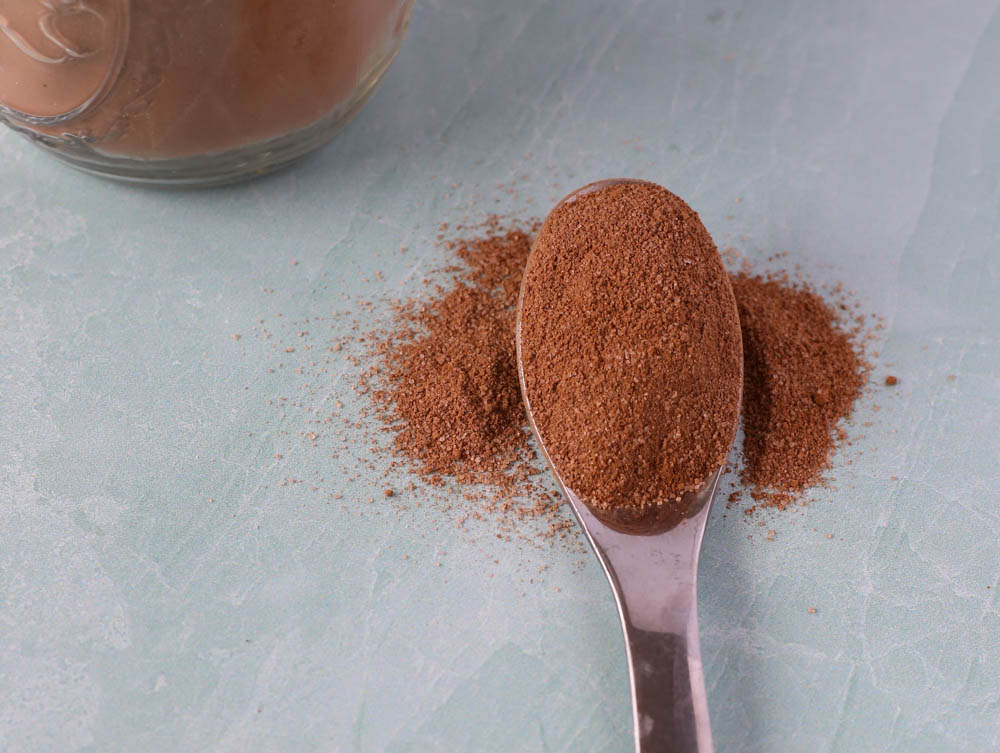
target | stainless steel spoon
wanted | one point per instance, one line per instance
(654, 579)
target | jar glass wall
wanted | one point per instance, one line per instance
(190, 91)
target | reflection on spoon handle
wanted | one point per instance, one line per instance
(671, 709)
(654, 580)
(655, 583)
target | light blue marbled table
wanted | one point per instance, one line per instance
(135, 615)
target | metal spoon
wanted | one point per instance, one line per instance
(653, 573)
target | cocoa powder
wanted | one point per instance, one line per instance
(802, 374)
(453, 397)
(630, 344)
(447, 388)
(445, 382)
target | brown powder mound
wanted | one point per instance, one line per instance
(496, 263)
(447, 384)
(802, 375)
(454, 394)
(631, 348)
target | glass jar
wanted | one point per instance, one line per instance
(190, 91)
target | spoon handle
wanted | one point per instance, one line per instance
(654, 579)
(668, 691)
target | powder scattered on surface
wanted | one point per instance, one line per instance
(496, 262)
(493, 481)
(802, 375)
(446, 386)
(631, 348)
(452, 393)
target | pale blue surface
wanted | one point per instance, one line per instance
(135, 615)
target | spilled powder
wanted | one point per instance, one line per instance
(446, 386)
(450, 391)
(442, 380)
(803, 373)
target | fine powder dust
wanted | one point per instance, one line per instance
(454, 394)
(631, 348)
(445, 384)
(802, 375)
(452, 391)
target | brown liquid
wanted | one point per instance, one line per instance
(198, 77)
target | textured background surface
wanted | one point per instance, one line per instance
(863, 138)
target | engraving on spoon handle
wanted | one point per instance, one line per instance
(668, 691)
